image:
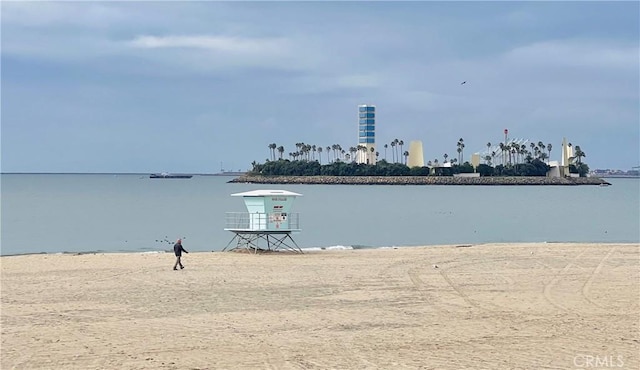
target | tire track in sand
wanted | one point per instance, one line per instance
(589, 282)
(559, 276)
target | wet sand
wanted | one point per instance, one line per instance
(492, 306)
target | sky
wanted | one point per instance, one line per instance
(201, 87)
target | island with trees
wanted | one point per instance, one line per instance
(523, 165)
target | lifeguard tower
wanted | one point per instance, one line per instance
(268, 223)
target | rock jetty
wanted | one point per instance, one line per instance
(418, 180)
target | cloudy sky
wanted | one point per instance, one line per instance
(200, 86)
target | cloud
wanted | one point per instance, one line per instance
(211, 54)
(46, 14)
(216, 54)
(223, 44)
(576, 53)
(357, 81)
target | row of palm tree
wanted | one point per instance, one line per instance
(395, 154)
(336, 153)
(514, 152)
(510, 153)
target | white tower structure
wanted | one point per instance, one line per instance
(567, 156)
(416, 155)
(366, 134)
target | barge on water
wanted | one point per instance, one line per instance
(165, 175)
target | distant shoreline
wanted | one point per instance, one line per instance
(226, 173)
(311, 250)
(419, 180)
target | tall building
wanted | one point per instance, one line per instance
(367, 134)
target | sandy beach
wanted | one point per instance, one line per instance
(489, 306)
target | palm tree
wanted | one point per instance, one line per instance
(272, 148)
(406, 155)
(393, 151)
(445, 157)
(328, 152)
(549, 147)
(401, 143)
(397, 146)
(385, 151)
(320, 154)
(353, 151)
(579, 154)
(515, 149)
(280, 150)
(543, 156)
(460, 146)
(372, 150)
(306, 149)
(361, 153)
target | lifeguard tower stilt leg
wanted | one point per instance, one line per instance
(263, 242)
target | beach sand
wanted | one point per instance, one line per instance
(489, 306)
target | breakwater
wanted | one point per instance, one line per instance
(418, 180)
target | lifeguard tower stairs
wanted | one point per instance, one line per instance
(268, 223)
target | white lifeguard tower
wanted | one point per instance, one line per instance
(268, 223)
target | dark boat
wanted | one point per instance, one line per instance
(165, 175)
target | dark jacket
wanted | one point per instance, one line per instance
(178, 249)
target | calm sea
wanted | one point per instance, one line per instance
(83, 213)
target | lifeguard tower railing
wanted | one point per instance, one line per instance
(262, 231)
(261, 221)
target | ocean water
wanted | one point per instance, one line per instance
(51, 213)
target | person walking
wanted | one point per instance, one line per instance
(178, 249)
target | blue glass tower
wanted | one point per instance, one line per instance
(367, 134)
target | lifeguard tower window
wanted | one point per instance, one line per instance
(268, 223)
